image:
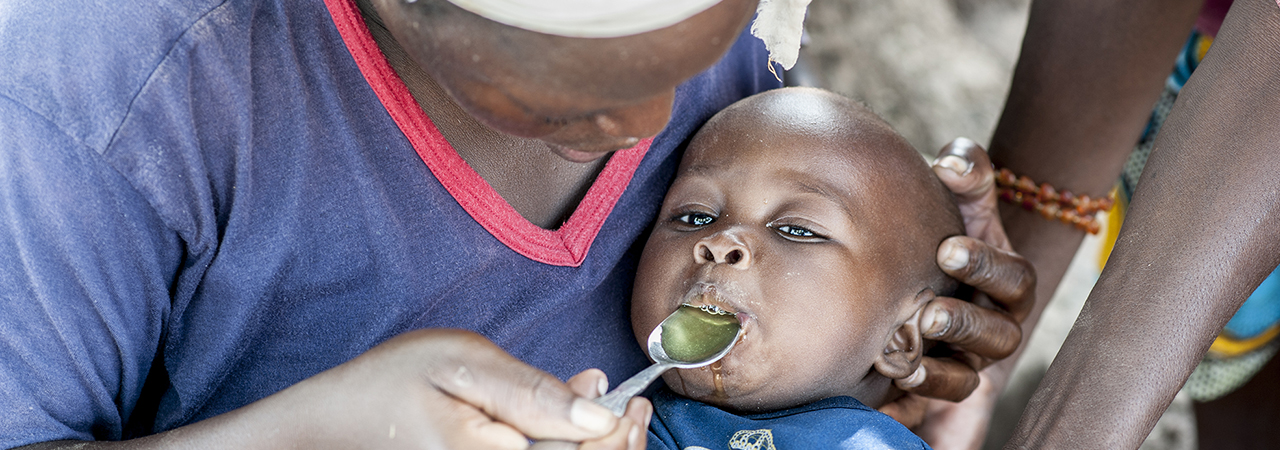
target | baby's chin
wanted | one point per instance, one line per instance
(736, 391)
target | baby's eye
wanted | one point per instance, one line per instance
(792, 230)
(695, 219)
(798, 233)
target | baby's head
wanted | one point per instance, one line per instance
(805, 212)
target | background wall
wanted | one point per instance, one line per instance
(935, 69)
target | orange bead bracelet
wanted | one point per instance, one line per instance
(1053, 204)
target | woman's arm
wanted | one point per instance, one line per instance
(1203, 230)
(1088, 75)
(430, 388)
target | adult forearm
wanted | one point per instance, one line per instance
(241, 429)
(428, 388)
(1088, 75)
(1202, 232)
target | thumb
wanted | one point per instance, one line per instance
(908, 410)
(512, 392)
(590, 383)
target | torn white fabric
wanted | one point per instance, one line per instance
(587, 18)
(780, 24)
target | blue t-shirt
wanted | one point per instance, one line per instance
(837, 423)
(204, 202)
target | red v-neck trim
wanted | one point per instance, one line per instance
(566, 246)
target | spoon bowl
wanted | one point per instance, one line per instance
(689, 338)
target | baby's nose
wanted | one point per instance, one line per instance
(723, 248)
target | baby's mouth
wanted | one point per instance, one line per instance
(709, 298)
(719, 299)
(713, 309)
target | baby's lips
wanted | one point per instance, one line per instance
(708, 294)
(747, 322)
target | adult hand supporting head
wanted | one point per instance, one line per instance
(986, 329)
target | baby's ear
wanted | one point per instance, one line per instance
(902, 354)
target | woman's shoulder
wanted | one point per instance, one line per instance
(82, 65)
(78, 64)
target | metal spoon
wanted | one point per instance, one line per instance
(690, 337)
(697, 336)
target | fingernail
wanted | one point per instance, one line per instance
(602, 387)
(935, 321)
(956, 164)
(954, 256)
(914, 380)
(590, 416)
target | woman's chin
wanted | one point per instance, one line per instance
(586, 148)
(577, 156)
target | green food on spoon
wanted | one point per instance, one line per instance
(694, 333)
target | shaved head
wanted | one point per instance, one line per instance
(893, 181)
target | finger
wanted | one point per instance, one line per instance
(554, 445)
(477, 372)
(909, 410)
(969, 327)
(640, 410)
(590, 383)
(944, 379)
(476, 429)
(1004, 276)
(965, 169)
(629, 435)
(960, 425)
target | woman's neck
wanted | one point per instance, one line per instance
(544, 188)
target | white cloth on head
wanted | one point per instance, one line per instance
(779, 23)
(587, 18)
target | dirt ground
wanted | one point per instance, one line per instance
(935, 70)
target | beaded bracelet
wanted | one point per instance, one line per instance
(1064, 206)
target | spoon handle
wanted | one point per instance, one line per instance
(616, 400)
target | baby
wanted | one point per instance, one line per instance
(809, 216)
